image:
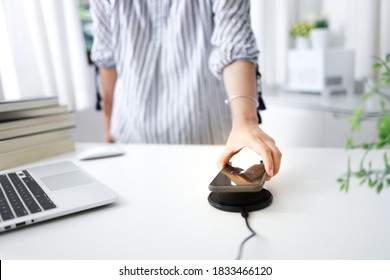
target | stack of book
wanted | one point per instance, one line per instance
(33, 129)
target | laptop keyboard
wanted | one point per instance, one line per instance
(21, 196)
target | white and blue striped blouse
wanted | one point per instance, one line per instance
(169, 56)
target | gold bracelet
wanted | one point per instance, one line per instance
(227, 101)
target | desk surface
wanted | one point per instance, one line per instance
(158, 216)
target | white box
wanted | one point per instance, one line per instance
(325, 71)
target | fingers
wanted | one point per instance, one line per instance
(266, 153)
(277, 158)
(259, 142)
(225, 157)
(270, 153)
(265, 146)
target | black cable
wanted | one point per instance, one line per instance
(245, 214)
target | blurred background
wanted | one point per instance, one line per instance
(316, 58)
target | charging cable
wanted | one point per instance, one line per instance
(245, 214)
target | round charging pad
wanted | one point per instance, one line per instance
(234, 201)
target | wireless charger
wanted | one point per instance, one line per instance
(236, 201)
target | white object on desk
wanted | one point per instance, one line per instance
(100, 152)
(321, 70)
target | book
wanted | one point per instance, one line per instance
(31, 140)
(36, 152)
(28, 103)
(30, 126)
(33, 129)
(31, 113)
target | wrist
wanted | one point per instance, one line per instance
(244, 109)
(249, 119)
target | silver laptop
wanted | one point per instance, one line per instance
(32, 195)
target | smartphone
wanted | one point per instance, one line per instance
(236, 179)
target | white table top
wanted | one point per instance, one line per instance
(163, 212)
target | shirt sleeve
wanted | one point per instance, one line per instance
(232, 38)
(102, 50)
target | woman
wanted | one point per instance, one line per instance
(166, 68)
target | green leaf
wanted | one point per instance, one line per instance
(386, 159)
(380, 144)
(365, 146)
(379, 188)
(360, 173)
(376, 66)
(350, 144)
(344, 187)
(340, 180)
(362, 181)
(372, 182)
(383, 127)
(388, 58)
(385, 78)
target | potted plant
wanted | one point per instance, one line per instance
(300, 32)
(376, 179)
(319, 33)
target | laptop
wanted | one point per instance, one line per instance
(32, 195)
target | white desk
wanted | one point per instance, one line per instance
(163, 212)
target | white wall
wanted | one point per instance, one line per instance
(384, 31)
(355, 25)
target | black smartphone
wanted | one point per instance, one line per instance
(236, 179)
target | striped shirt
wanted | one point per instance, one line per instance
(169, 56)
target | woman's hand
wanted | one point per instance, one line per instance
(246, 133)
(240, 83)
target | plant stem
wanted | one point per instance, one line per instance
(363, 159)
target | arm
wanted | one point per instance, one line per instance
(234, 57)
(240, 79)
(103, 57)
(107, 81)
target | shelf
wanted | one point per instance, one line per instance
(341, 103)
